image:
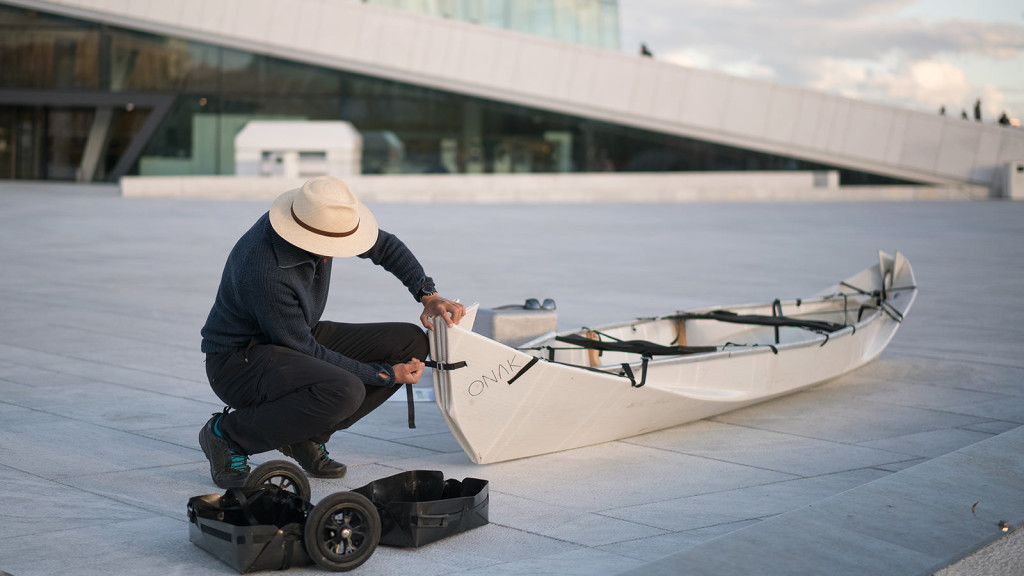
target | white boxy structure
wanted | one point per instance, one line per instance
(298, 149)
(1013, 181)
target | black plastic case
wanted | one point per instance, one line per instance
(419, 506)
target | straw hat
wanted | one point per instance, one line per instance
(324, 217)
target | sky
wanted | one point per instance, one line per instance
(918, 54)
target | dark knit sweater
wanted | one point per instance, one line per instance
(274, 292)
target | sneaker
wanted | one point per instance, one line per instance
(228, 466)
(314, 459)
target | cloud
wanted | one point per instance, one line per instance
(926, 83)
(859, 48)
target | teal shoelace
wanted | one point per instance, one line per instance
(238, 461)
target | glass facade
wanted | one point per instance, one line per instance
(89, 102)
(588, 22)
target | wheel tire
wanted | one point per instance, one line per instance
(284, 475)
(342, 531)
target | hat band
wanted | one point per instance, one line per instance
(322, 232)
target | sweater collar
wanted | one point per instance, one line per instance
(288, 255)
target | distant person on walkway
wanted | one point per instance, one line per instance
(645, 52)
(291, 378)
(963, 114)
(977, 109)
(1004, 119)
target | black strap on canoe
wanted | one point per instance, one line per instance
(408, 387)
(523, 370)
(627, 371)
(881, 299)
(773, 348)
(642, 347)
(777, 313)
(760, 320)
(444, 365)
(410, 402)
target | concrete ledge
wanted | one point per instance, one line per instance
(514, 326)
(915, 521)
(558, 188)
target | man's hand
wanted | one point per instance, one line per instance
(435, 305)
(408, 373)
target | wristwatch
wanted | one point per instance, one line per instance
(427, 290)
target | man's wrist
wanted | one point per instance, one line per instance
(426, 292)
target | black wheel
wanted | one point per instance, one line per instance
(283, 474)
(342, 531)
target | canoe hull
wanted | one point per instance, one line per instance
(499, 409)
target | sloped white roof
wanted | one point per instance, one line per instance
(606, 85)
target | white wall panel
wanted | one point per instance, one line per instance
(867, 128)
(746, 110)
(284, 24)
(165, 12)
(508, 54)
(897, 131)
(479, 61)
(826, 124)
(537, 68)
(706, 98)
(957, 150)
(986, 157)
(252, 21)
(613, 79)
(455, 52)
(310, 12)
(670, 91)
(921, 142)
(168, 12)
(111, 6)
(369, 38)
(194, 11)
(138, 9)
(580, 80)
(125, 7)
(808, 118)
(141, 7)
(1011, 148)
(338, 32)
(644, 87)
(431, 51)
(840, 125)
(397, 43)
(120, 6)
(780, 124)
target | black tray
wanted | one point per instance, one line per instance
(419, 506)
(251, 529)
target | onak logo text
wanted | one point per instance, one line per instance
(501, 372)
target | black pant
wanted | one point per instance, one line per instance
(281, 396)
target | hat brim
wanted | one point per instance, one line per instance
(354, 244)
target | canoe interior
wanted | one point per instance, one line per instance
(671, 331)
(853, 303)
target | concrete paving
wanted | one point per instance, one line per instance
(905, 466)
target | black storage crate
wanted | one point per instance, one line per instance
(419, 507)
(251, 529)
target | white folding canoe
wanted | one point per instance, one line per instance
(579, 388)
